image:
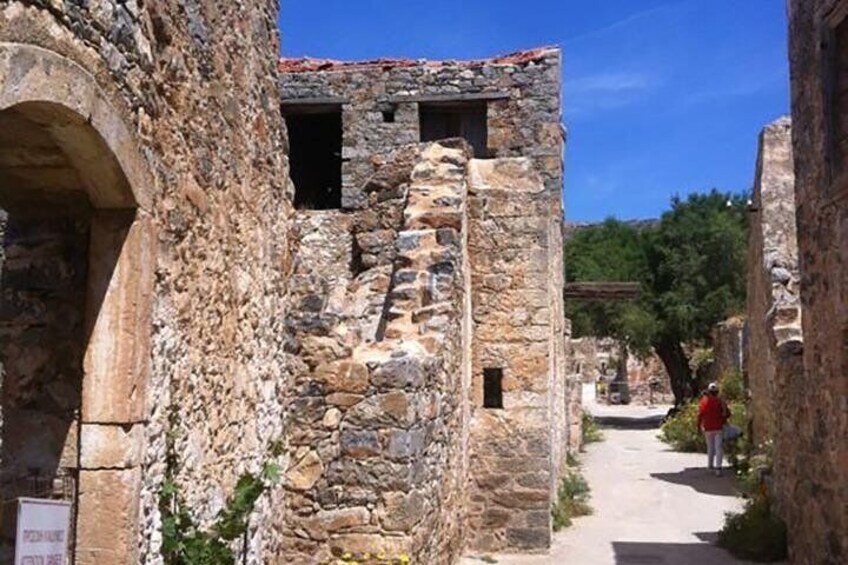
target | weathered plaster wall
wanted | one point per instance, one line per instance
(773, 295)
(812, 404)
(194, 84)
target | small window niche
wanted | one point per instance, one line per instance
(493, 388)
(315, 156)
(468, 120)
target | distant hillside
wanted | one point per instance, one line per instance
(570, 228)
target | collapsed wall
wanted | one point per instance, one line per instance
(774, 309)
(379, 321)
(812, 419)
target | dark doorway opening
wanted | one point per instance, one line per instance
(456, 119)
(492, 388)
(315, 157)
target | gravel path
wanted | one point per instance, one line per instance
(652, 506)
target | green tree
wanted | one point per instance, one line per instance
(691, 265)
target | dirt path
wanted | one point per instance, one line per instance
(651, 506)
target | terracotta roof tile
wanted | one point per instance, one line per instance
(307, 65)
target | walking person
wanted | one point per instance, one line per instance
(713, 413)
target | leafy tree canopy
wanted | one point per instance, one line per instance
(691, 265)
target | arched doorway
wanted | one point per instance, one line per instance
(75, 297)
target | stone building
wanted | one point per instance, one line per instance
(146, 251)
(166, 310)
(436, 356)
(774, 314)
(812, 402)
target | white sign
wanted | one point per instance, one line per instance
(43, 529)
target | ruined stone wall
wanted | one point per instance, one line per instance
(522, 94)
(727, 339)
(514, 250)
(773, 295)
(194, 84)
(512, 471)
(378, 412)
(812, 419)
(573, 392)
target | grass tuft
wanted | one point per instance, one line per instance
(755, 534)
(591, 431)
(572, 500)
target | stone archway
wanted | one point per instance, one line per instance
(76, 295)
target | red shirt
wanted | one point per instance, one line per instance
(711, 415)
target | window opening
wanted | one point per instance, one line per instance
(466, 120)
(315, 158)
(492, 388)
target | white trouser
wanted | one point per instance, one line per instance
(715, 450)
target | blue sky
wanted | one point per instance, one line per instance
(660, 97)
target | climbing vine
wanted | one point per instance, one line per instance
(183, 541)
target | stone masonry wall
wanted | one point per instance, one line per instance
(378, 320)
(774, 313)
(194, 83)
(727, 338)
(521, 91)
(512, 471)
(812, 405)
(514, 249)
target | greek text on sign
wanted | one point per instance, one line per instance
(43, 529)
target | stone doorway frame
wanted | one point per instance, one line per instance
(117, 360)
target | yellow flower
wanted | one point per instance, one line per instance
(381, 556)
(366, 556)
(404, 558)
(347, 556)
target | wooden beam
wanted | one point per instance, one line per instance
(447, 98)
(314, 105)
(602, 290)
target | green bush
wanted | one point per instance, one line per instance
(682, 434)
(732, 386)
(755, 534)
(572, 500)
(591, 431)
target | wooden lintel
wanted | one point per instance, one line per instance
(313, 104)
(602, 291)
(458, 97)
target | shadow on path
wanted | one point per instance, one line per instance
(649, 553)
(702, 480)
(629, 422)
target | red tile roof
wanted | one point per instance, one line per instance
(306, 65)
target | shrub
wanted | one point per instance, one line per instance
(591, 431)
(681, 431)
(572, 500)
(732, 386)
(682, 434)
(755, 534)
(184, 543)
